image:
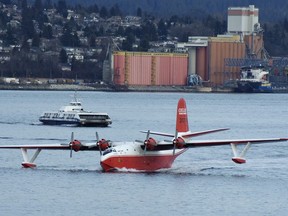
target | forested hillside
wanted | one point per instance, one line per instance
(269, 10)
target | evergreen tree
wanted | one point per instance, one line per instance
(103, 12)
(144, 45)
(93, 9)
(36, 41)
(115, 11)
(162, 28)
(139, 12)
(63, 56)
(47, 31)
(25, 47)
(62, 8)
(9, 38)
(27, 25)
(92, 41)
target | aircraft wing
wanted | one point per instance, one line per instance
(82, 147)
(29, 161)
(41, 146)
(205, 143)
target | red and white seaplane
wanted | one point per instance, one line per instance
(149, 155)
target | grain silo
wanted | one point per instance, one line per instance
(145, 68)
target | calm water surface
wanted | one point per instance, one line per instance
(202, 181)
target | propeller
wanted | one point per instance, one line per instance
(174, 141)
(74, 144)
(145, 141)
(177, 142)
(102, 144)
(149, 142)
(97, 143)
(71, 140)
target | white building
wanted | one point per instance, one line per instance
(243, 20)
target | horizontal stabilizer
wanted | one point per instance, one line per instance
(159, 133)
(200, 133)
(186, 134)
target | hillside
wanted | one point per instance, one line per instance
(269, 10)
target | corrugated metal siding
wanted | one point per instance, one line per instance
(201, 62)
(150, 68)
(180, 70)
(140, 70)
(119, 69)
(218, 52)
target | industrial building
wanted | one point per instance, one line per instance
(203, 57)
(144, 68)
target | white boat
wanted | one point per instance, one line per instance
(254, 79)
(74, 114)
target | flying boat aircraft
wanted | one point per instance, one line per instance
(146, 155)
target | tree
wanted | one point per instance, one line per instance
(27, 25)
(9, 38)
(62, 8)
(115, 11)
(47, 31)
(93, 9)
(128, 43)
(162, 28)
(25, 46)
(139, 12)
(144, 45)
(103, 12)
(148, 30)
(36, 40)
(63, 56)
(92, 41)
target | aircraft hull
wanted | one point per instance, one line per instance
(143, 163)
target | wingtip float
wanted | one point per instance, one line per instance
(148, 155)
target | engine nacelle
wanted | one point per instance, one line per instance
(103, 144)
(75, 145)
(150, 144)
(179, 142)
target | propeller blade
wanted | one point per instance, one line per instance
(145, 142)
(97, 137)
(148, 134)
(176, 136)
(71, 140)
(97, 143)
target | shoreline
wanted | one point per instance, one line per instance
(111, 88)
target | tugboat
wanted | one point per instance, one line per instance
(254, 79)
(74, 114)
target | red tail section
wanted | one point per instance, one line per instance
(182, 118)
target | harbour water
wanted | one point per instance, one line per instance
(202, 181)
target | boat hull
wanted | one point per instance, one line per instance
(253, 87)
(142, 163)
(74, 123)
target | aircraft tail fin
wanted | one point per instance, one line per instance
(182, 118)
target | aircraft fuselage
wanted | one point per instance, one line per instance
(133, 157)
